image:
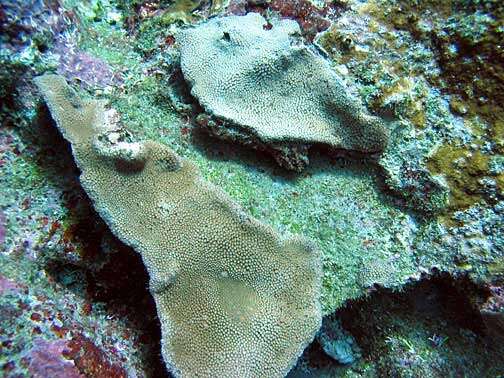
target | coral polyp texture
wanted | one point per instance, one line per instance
(233, 296)
(268, 89)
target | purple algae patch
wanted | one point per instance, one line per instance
(47, 360)
(3, 229)
(87, 70)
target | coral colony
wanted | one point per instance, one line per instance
(279, 188)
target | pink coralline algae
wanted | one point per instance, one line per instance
(47, 360)
(91, 360)
(7, 285)
(3, 223)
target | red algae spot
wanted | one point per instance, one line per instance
(26, 203)
(310, 18)
(184, 131)
(170, 40)
(91, 360)
(36, 331)
(59, 331)
(87, 308)
(54, 227)
(22, 305)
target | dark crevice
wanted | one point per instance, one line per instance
(441, 307)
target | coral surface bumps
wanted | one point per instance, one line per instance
(234, 297)
(263, 82)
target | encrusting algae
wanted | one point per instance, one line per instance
(465, 172)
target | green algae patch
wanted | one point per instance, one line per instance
(336, 203)
(204, 255)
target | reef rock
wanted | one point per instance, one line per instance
(235, 298)
(264, 87)
(338, 343)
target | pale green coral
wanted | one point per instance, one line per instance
(234, 297)
(267, 85)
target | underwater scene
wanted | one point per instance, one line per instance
(251, 188)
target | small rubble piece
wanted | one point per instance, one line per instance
(406, 172)
(266, 88)
(234, 297)
(492, 313)
(338, 343)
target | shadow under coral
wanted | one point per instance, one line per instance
(432, 326)
(323, 160)
(92, 262)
